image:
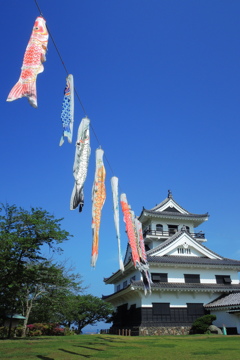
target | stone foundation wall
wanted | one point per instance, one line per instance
(174, 330)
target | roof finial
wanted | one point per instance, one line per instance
(169, 194)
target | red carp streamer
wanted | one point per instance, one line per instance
(136, 242)
(34, 56)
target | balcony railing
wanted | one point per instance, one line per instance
(199, 235)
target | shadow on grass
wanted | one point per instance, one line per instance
(110, 339)
(44, 357)
(206, 352)
(74, 353)
(87, 347)
(164, 345)
(98, 343)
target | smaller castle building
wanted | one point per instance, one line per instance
(188, 279)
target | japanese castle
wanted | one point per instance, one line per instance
(188, 279)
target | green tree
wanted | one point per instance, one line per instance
(22, 237)
(50, 306)
(45, 281)
(87, 310)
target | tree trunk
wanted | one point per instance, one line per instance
(80, 327)
(10, 326)
(28, 310)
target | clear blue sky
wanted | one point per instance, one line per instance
(160, 83)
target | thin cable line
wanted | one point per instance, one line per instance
(75, 90)
(60, 57)
(38, 7)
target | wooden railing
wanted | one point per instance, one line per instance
(199, 235)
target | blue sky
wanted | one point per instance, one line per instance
(160, 83)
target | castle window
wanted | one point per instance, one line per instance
(161, 308)
(223, 279)
(118, 287)
(159, 277)
(133, 278)
(159, 228)
(172, 229)
(192, 278)
(124, 284)
(195, 309)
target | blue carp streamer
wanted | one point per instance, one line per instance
(67, 114)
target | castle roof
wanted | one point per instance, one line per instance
(194, 260)
(168, 286)
(180, 287)
(170, 209)
(230, 302)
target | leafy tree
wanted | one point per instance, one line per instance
(22, 236)
(49, 307)
(85, 310)
(46, 279)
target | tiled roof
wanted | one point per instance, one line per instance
(232, 299)
(104, 297)
(166, 242)
(224, 301)
(165, 201)
(175, 214)
(189, 287)
(194, 260)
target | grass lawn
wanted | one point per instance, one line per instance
(212, 347)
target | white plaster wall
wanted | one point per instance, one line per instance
(155, 243)
(207, 276)
(229, 320)
(178, 299)
(194, 252)
(136, 301)
(135, 273)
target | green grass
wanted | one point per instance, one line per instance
(212, 347)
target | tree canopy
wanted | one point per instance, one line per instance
(25, 272)
(39, 288)
(83, 310)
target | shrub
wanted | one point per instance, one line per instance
(44, 329)
(3, 332)
(15, 331)
(68, 332)
(201, 324)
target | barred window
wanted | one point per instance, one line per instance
(192, 278)
(223, 279)
(195, 309)
(159, 277)
(161, 308)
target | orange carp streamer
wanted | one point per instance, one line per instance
(98, 200)
(34, 56)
